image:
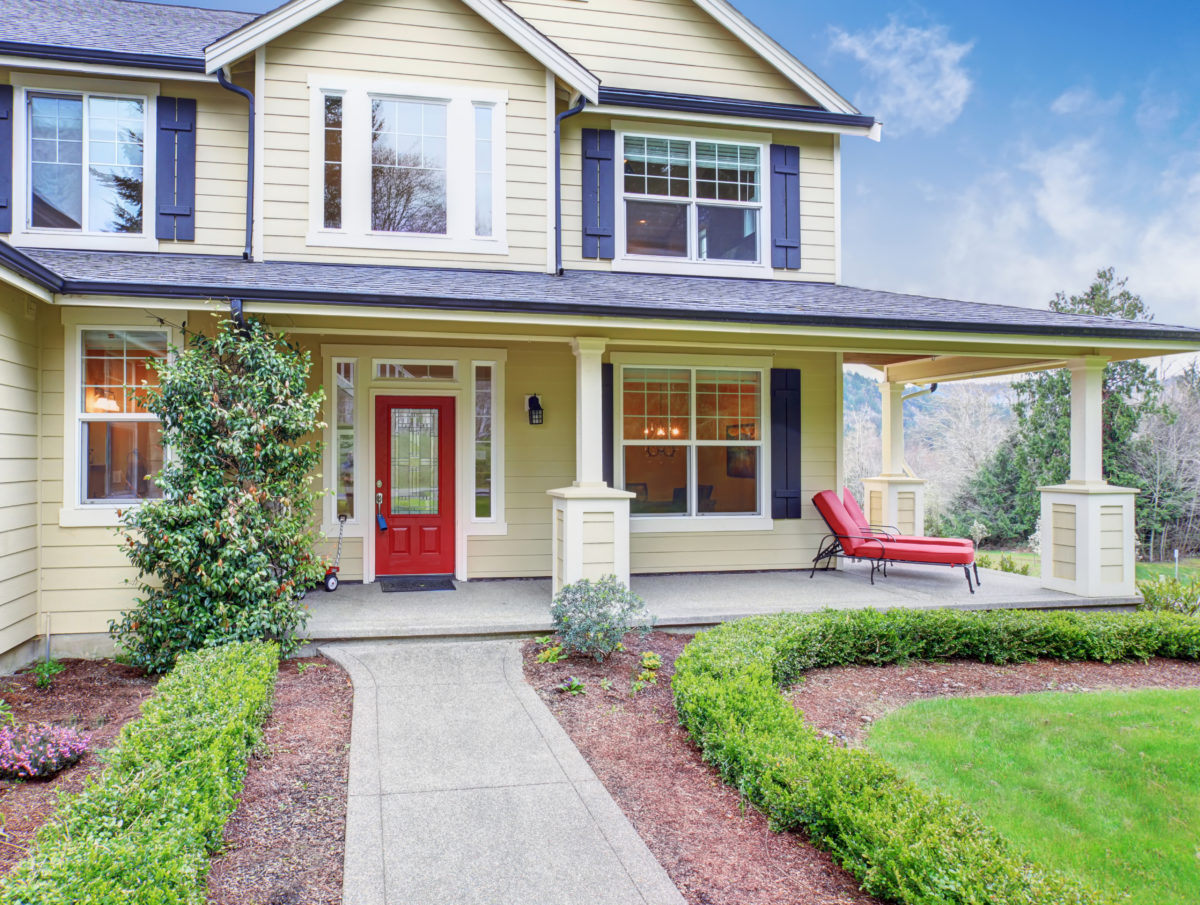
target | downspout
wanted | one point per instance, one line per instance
(248, 254)
(578, 108)
(932, 388)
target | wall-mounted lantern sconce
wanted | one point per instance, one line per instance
(533, 405)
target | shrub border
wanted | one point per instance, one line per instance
(900, 841)
(143, 833)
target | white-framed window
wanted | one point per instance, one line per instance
(486, 417)
(120, 443)
(691, 441)
(345, 437)
(83, 162)
(407, 166)
(686, 200)
(414, 369)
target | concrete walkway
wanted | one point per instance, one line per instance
(464, 789)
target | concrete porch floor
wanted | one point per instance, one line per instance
(678, 601)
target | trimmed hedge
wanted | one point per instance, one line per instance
(901, 842)
(143, 833)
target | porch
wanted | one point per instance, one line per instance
(679, 602)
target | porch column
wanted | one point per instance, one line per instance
(589, 430)
(1087, 528)
(589, 530)
(894, 497)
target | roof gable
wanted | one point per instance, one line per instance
(271, 25)
(697, 47)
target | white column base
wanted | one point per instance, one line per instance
(589, 533)
(1088, 539)
(897, 501)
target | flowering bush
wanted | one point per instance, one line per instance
(37, 752)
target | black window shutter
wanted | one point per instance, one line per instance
(787, 497)
(606, 409)
(599, 161)
(6, 158)
(176, 169)
(785, 207)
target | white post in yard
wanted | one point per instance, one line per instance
(1088, 534)
(589, 528)
(894, 497)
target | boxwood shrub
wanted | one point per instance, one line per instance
(143, 832)
(901, 842)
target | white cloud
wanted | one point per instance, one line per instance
(1157, 109)
(1019, 234)
(1084, 100)
(916, 78)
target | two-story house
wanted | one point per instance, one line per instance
(569, 271)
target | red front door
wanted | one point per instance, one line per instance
(414, 485)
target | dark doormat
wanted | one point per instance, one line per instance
(417, 583)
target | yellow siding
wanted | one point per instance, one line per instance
(668, 45)
(538, 458)
(1062, 527)
(85, 577)
(439, 41)
(1112, 543)
(818, 234)
(18, 468)
(906, 503)
(221, 130)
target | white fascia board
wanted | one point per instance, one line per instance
(266, 28)
(734, 122)
(770, 50)
(104, 69)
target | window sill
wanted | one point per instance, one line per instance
(399, 242)
(683, 267)
(98, 516)
(486, 529)
(83, 241)
(657, 524)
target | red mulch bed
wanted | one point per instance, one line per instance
(94, 696)
(843, 701)
(717, 851)
(285, 843)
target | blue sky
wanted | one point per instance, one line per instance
(1026, 145)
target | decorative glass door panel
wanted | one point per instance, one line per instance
(414, 461)
(414, 485)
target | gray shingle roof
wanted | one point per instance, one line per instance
(576, 292)
(117, 26)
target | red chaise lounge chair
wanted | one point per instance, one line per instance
(848, 539)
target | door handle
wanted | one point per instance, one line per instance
(380, 521)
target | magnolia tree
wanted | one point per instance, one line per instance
(227, 552)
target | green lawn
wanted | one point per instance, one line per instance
(1104, 785)
(1188, 568)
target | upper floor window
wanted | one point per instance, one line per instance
(86, 162)
(407, 166)
(692, 200)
